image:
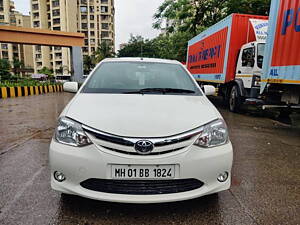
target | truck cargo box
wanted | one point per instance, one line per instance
(212, 54)
(282, 51)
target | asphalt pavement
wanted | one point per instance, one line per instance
(265, 182)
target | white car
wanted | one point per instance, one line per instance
(140, 131)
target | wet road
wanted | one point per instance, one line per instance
(265, 184)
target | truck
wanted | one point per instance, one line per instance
(252, 59)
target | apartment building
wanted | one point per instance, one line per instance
(94, 18)
(8, 16)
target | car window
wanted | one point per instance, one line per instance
(248, 57)
(120, 77)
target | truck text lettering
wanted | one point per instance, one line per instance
(291, 16)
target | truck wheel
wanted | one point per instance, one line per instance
(235, 99)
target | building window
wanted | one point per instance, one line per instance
(85, 49)
(55, 3)
(104, 34)
(1, 17)
(83, 17)
(104, 9)
(83, 2)
(35, 7)
(56, 21)
(83, 9)
(92, 33)
(86, 42)
(56, 28)
(92, 49)
(56, 12)
(38, 56)
(38, 48)
(105, 26)
(36, 15)
(104, 1)
(84, 26)
(5, 54)
(56, 48)
(4, 46)
(92, 25)
(92, 17)
(93, 41)
(92, 9)
(36, 24)
(104, 18)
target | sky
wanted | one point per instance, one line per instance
(132, 17)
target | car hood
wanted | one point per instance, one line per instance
(136, 115)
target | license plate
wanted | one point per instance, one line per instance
(143, 171)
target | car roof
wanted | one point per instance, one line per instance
(140, 59)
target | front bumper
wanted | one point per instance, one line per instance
(80, 164)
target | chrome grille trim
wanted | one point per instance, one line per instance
(136, 153)
(128, 141)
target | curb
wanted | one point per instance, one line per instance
(12, 92)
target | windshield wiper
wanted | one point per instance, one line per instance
(161, 90)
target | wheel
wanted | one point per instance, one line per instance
(235, 100)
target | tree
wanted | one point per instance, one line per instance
(88, 63)
(18, 65)
(45, 70)
(4, 69)
(139, 47)
(104, 50)
(257, 7)
(193, 16)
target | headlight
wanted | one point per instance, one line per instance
(214, 134)
(70, 132)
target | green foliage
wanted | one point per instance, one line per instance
(194, 15)
(17, 66)
(171, 46)
(104, 50)
(139, 47)
(45, 70)
(257, 7)
(21, 82)
(4, 69)
(88, 63)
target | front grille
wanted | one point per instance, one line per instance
(136, 153)
(141, 187)
(125, 145)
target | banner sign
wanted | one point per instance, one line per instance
(260, 28)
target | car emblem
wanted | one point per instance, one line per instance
(144, 147)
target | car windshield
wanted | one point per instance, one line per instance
(260, 54)
(141, 77)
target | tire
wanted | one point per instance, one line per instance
(235, 99)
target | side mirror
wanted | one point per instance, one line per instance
(209, 90)
(71, 87)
